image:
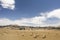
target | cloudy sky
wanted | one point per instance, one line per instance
(30, 12)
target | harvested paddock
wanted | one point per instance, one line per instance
(8, 34)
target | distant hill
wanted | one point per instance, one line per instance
(17, 27)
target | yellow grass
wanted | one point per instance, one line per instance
(8, 34)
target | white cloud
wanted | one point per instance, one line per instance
(54, 13)
(37, 20)
(4, 21)
(10, 4)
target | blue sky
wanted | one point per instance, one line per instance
(30, 9)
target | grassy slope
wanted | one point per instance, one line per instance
(8, 34)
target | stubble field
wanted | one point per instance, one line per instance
(8, 34)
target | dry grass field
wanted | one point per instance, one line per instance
(8, 34)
